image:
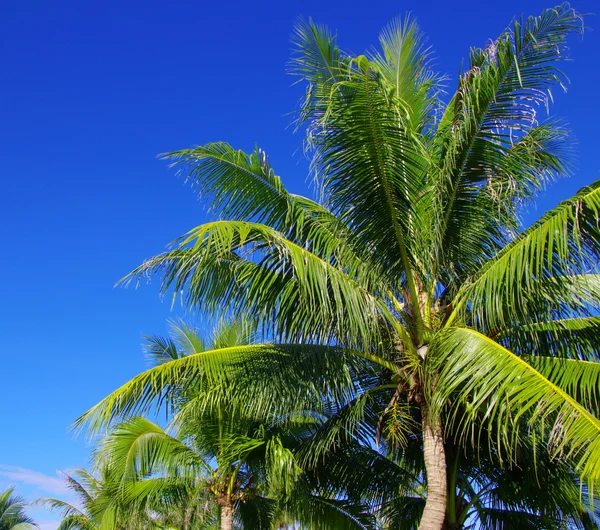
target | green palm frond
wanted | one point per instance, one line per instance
(12, 512)
(318, 297)
(330, 514)
(282, 469)
(228, 334)
(403, 513)
(580, 379)
(258, 514)
(344, 425)
(499, 388)
(570, 338)
(76, 522)
(564, 242)
(141, 448)
(499, 519)
(243, 187)
(535, 483)
(64, 508)
(363, 474)
(405, 62)
(263, 379)
(85, 485)
(489, 213)
(159, 493)
(160, 350)
(496, 104)
(560, 298)
(240, 185)
(318, 61)
(360, 136)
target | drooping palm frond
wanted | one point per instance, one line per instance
(570, 338)
(64, 508)
(535, 483)
(580, 379)
(330, 514)
(264, 378)
(140, 448)
(564, 242)
(244, 187)
(320, 298)
(496, 385)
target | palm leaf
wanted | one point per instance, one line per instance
(277, 282)
(494, 106)
(572, 338)
(141, 448)
(564, 242)
(503, 389)
(264, 378)
(405, 62)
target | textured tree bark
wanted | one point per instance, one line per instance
(434, 513)
(227, 516)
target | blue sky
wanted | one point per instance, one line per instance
(91, 93)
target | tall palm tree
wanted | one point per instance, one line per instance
(12, 512)
(413, 262)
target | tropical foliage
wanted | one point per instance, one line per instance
(12, 512)
(443, 350)
(100, 503)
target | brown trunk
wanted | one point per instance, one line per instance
(227, 516)
(435, 467)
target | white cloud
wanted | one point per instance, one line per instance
(44, 483)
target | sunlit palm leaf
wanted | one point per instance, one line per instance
(495, 384)
(565, 241)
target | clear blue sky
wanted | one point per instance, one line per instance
(90, 94)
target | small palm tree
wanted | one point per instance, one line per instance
(246, 463)
(12, 512)
(413, 265)
(99, 503)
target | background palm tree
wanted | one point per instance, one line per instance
(99, 505)
(12, 512)
(246, 463)
(413, 264)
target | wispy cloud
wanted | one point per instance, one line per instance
(47, 484)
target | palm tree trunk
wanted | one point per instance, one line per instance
(435, 467)
(227, 516)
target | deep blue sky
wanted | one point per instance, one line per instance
(90, 94)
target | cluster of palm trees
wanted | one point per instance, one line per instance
(401, 353)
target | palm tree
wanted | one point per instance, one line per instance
(413, 264)
(99, 505)
(12, 512)
(246, 463)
